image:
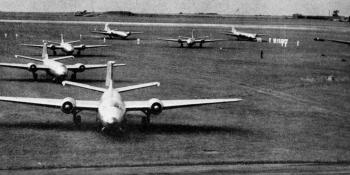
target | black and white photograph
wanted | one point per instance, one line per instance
(174, 87)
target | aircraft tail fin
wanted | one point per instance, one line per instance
(192, 33)
(107, 27)
(109, 74)
(44, 54)
(62, 40)
(234, 30)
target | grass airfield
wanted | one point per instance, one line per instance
(290, 112)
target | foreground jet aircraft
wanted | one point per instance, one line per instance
(66, 47)
(190, 41)
(243, 36)
(111, 107)
(336, 41)
(115, 33)
(52, 67)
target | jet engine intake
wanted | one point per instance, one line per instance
(32, 67)
(156, 106)
(68, 105)
(81, 67)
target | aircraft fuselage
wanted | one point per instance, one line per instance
(56, 69)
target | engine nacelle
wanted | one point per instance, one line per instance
(52, 46)
(156, 106)
(32, 67)
(81, 67)
(83, 47)
(68, 105)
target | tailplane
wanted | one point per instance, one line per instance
(109, 74)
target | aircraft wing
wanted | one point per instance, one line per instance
(23, 66)
(88, 46)
(76, 67)
(210, 40)
(49, 102)
(336, 41)
(50, 46)
(171, 104)
(100, 32)
(136, 32)
(172, 40)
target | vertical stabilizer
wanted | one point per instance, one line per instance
(109, 74)
(234, 30)
(62, 40)
(106, 27)
(44, 54)
(192, 33)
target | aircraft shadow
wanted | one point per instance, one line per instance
(132, 128)
(43, 80)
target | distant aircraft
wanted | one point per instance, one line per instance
(115, 33)
(54, 68)
(243, 36)
(191, 41)
(336, 41)
(66, 47)
(111, 108)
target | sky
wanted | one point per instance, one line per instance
(238, 7)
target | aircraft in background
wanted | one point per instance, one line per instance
(52, 67)
(111, 108)
(191, 41)
(66, 47)
(114, 32)
(332, 40)
(244, 36)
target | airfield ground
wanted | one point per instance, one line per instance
(296, 104)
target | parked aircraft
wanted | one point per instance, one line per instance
(332, 40)
(111, 108)
(191, 41)
(66, 47)
(52, 67)
(243, 36)
(114, 32)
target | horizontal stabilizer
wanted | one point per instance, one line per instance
(139, 86)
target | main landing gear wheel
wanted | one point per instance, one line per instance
(74, 76)
(35, 76)
(54, 53)
(77, 119)
(146, 120)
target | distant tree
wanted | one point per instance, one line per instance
(336, 13)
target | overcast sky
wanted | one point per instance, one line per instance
(240, 7)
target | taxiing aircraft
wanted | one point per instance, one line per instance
(111, 107)
(243, 36)
(114, 32)
(191, 41)
(66, 47)
(332, 40)
(54, 68)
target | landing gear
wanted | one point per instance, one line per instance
(76, 119)
(201, 45)
(146, 120)
(74, 76)
(35, 76)
(54, 52)
(78, 53)
(181, 45)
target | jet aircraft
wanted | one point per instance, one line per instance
(111, 108)
(114, 32)
(243, 36)
(332, 40)
(52, 67)
(191, 41)
(66, 46)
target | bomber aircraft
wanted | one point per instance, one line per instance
(332, 40)
(66, 46)
(52, 67)
(114, 32)
(111, 107)
(191, 41)
(243, 36)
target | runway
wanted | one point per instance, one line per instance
(280, 27)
